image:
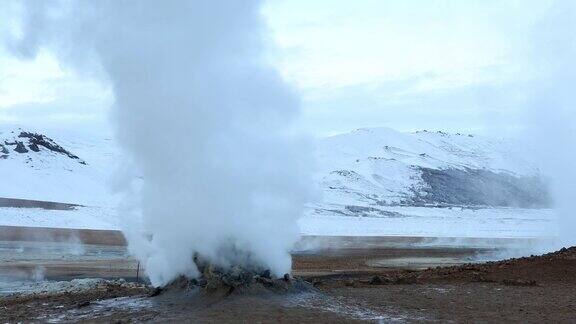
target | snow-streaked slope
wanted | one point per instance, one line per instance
(369, 178)
(365, 166)
(54, 176)
(382, 166)
(424, 148)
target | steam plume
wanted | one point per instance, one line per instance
(204, 119)
(553, 108)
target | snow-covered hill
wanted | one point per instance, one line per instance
(383, 182)
(384, 167)
(56, 166)
(423, 183)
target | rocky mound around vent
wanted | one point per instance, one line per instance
(28, 141)
(234, 280)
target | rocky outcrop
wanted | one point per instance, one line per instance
(473, 187)
(29, 142)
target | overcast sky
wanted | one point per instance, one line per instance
(412, 64)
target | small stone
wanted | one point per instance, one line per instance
(34, 147)
(407, 280)
(20, 148)
(157, 291)
(83, 304)
(266, 274)
(267, 282)
(376, 280)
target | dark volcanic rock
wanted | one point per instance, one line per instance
(475, 187)
(364, 211)
(34, 147)
(234, 280)
(28, 141)
(27, 203)
(376, 280)
(266, 274)
(20, 148)
(35, 140)
(241, 283)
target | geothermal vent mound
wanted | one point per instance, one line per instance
(235, 280)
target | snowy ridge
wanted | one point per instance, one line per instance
(374, 182)
(384, 167)
(23, 142)
(383, 182)
(55, 166)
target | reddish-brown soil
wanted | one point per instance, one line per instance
(557, 267)
(43, 234)
(534, 289)
(530, 290)
(43, 306)
(358, 260)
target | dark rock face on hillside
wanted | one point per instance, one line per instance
(20, 148)
(28, 141)
(474, 187)
(27, 203)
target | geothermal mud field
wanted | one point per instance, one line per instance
(399, 279)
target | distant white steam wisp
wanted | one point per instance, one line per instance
(552, 109)
(206, 122)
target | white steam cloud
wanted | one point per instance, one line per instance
(206, 121)
(552, 109)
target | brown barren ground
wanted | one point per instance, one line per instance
(354, 285)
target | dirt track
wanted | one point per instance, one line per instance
(353, 284)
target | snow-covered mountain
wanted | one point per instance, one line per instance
(384, 167)
(378, 166)
(382, 182)
(56, 166)
(398, 183)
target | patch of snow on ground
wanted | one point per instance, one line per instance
(99, 218)
(25, 288)
(436, 222)
(49, 176)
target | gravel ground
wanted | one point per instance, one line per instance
(534, 289)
